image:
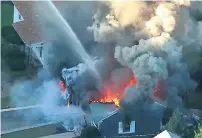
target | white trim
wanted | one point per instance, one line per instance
(36, 45)
(161, 125)
(20, 108)
(36, 49)
(100, 122)
(111, 114)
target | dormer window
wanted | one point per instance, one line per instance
(128, 130)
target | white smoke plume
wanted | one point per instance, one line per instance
(143, 59)
(152, 39)
(44, 90)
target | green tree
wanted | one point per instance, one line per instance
(90, 132)
(10, 35)
(176, 123)
(14, 57)
(198, 132)
(167, 114)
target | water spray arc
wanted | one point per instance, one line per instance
(73, 39)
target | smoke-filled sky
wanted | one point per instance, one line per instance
(152, 39)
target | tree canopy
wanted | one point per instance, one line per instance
(10, 35)
(198, 132)
(14, 57)
(176, 123)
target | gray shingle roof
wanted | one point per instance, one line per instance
(101, 110)
(147, 122)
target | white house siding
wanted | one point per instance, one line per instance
(38, 51)
(16, 16)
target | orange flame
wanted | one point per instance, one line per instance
(62, 86)
(111, 96)
(159, 91)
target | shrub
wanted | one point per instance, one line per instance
(198, 132)
(176, 123)
(168, 112)
(16, 64)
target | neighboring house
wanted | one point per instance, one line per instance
(28, 30)
(166, 134)
(26, 24)
(144, 122)
(101, 110)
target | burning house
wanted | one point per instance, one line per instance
(110, 91)
(155, 78)
(142, 58)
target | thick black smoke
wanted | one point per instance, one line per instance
(155, 40)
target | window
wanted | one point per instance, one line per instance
(19, 16)
(40, 51)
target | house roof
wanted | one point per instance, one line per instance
(147, 123)
(101, 110)
(166, 134)
(27, 10)
(28, 29)
(62, 135)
